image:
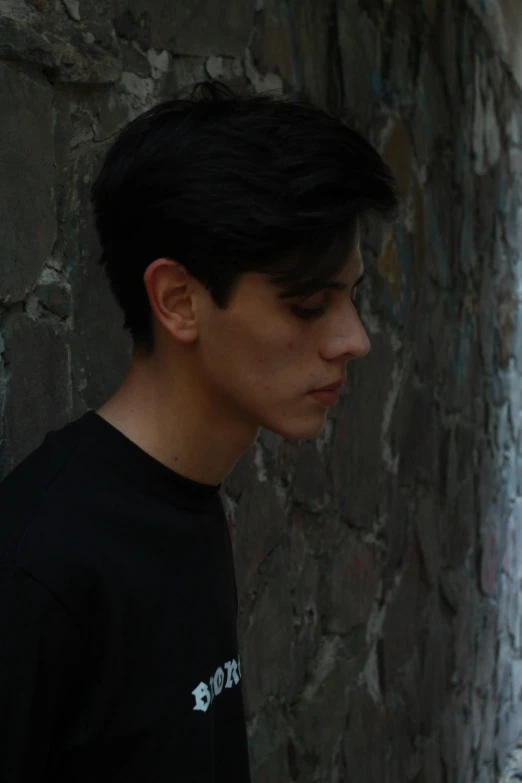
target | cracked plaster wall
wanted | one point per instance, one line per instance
(378, 565)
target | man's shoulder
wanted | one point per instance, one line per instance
(48, 505)
(41, 466)
(79, 516)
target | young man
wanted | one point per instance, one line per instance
(229, 234)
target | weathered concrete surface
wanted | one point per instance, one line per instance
(67, 51)
(212, 27)
(379, 566)
(513, 770)
(27, 210)
(38, 395)
(503, 21)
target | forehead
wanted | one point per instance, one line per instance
(353, 266)
(261, 287)
(344, 276)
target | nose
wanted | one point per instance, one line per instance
(350, 339)
(361, 343)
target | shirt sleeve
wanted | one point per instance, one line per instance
(39, 657)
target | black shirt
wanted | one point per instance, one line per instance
(118, 605)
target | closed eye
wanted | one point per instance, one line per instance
(305, 313)
(308, 312)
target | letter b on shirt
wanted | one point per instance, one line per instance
(202, 696)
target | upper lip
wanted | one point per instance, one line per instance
(332, 386)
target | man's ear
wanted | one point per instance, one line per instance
(170, 289)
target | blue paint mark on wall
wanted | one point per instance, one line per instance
(421, 103)
(446, 278)
(385, 91)
(295, 60)
(467, 253)
(375, 92)
(464, 348)
(396, 309)
(72, 230)
(461, 322)
(442, 255)
(467, 57)
(517, 335)
(376, 85)
(501, 189)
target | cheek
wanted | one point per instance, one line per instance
(277, 368)
(256, 354)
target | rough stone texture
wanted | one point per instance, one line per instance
(513, 770)
(65, 50)
(27, 213)
(271, 620)
(379, 566)
(210, 27)
(95, 374)
(38, 396)
(503, 21)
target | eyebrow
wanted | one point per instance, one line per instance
(336, 285)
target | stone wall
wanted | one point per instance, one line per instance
(378, 565)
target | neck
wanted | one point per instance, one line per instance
(175, 422)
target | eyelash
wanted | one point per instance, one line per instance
(306, 313)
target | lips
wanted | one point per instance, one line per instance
(332, 387)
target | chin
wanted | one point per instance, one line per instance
(298, 430)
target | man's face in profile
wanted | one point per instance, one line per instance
(263, 355)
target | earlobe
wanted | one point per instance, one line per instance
(182, 330)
